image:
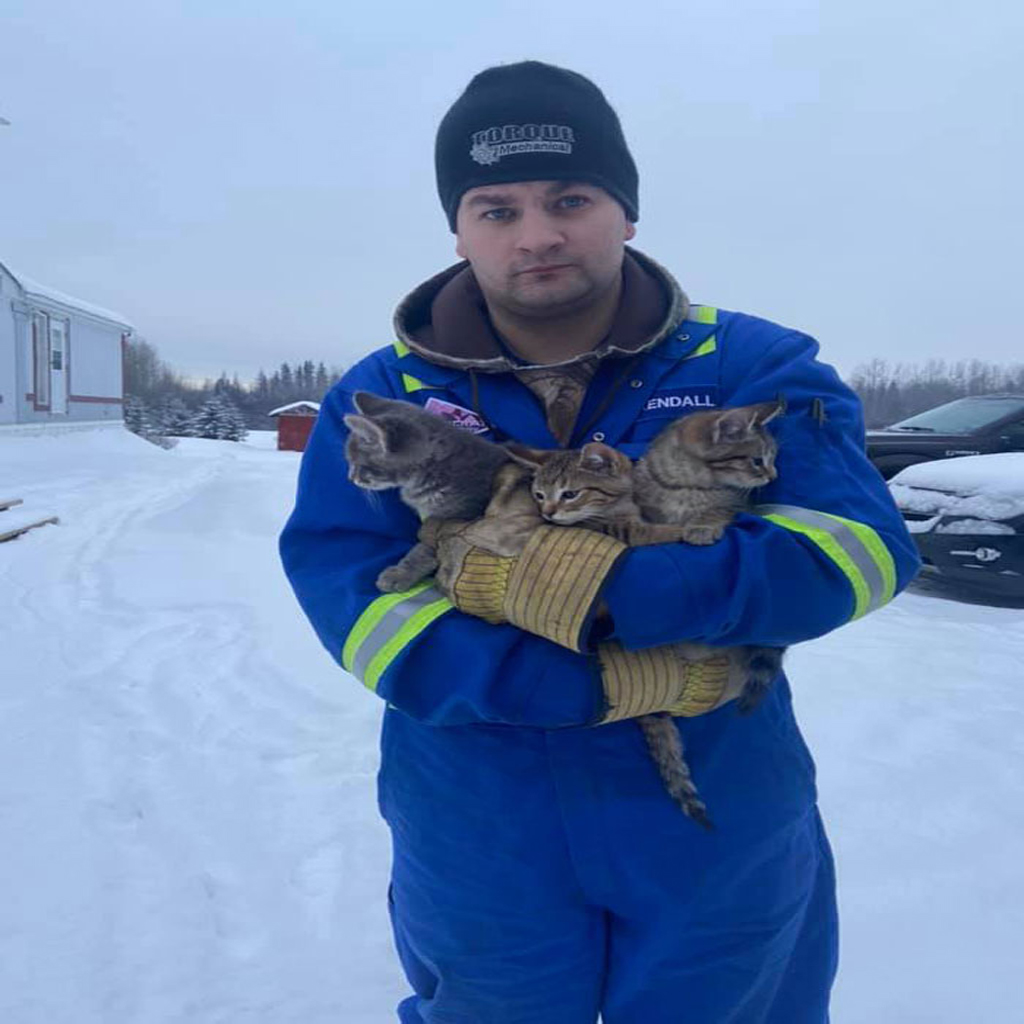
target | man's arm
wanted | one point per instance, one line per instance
(414, 649)
(827, 543)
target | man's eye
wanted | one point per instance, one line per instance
(573, 202)
(499, 214)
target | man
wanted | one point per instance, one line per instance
(541, 874)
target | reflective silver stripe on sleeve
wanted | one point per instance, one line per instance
(845, 538)
(394, 619)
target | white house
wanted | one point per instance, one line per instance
(61, 359)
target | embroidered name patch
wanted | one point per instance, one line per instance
(679, 401)
(464, 419)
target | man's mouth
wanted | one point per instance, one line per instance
(546, 269)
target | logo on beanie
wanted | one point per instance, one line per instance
(491, 144)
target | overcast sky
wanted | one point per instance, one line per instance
(252, 182)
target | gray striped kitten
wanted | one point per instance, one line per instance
(442, 471)
(695, 476)
(699, 471)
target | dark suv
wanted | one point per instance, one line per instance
(979, 425)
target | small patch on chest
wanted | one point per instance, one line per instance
(457, 415)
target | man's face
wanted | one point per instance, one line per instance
(542, 249)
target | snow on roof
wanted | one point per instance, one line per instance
(42, 291)
(986, 486)
(315, 406)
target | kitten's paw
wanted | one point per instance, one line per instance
(700, 534)
(395, 579)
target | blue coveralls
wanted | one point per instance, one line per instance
(541, 874)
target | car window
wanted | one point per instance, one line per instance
(964, 416)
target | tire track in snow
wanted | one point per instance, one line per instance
(214, 789)
(208, 720)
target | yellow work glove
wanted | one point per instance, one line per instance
(550, 585)
(657, 679)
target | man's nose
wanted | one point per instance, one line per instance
(539, 232)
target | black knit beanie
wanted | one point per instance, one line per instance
(532, 122)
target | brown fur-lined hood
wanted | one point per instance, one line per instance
(445, 319)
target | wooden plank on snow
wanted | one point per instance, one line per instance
(6, 503)
(9, 529)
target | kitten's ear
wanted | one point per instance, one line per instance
(370, 404)
(765, 412)
(731, 425)
(736, 424)
(532, 458)
(370, 432)
(602, 458)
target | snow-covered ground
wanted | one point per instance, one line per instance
(187, 780)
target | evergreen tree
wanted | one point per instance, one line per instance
(218, 419)
(208, 422)
(175, 418)
(138, 419)
(234, 422)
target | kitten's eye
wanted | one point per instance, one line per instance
(758, 463)
(569, 495)
(539, 495)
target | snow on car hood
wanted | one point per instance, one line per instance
(980, 486)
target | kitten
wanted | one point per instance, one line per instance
(700, 471)
(591, 487)
(694, 478)
(442, 471)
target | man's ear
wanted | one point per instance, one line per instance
(460, 249)
(630, 230)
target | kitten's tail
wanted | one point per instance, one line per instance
(666, 747)
(763, 665)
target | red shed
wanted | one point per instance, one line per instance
(294, 422)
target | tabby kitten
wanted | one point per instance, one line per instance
(591, 487)
(694, 478)
(700, 471)
(441, 471)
